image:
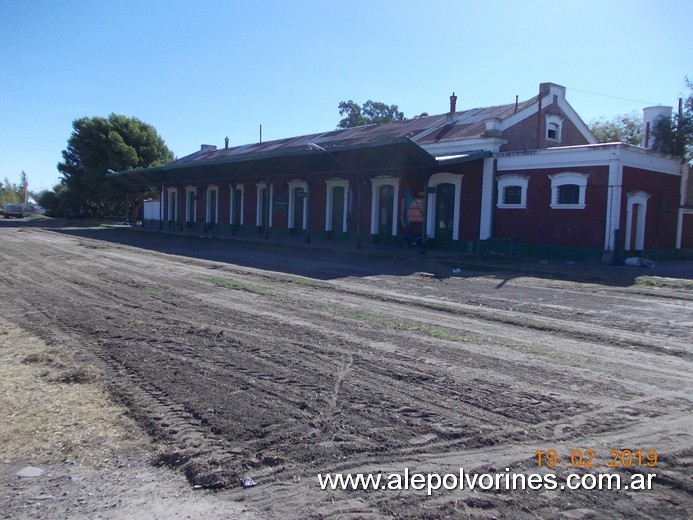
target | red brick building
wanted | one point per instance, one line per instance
(523, 177)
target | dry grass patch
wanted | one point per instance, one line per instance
(53, 406)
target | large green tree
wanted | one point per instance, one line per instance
(372, 112)
(675, 135)
(98, 144)
(624, 128)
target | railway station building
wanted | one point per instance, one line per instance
(522, 178)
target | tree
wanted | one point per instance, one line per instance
(55, 201)
(98, 144)
(624, 128)
(372, 112)
(675, 135)
(10, 193)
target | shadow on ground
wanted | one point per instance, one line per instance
(327, 260)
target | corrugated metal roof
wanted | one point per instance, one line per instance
(467, 124)
(207, 165)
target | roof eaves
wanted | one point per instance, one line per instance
(462, 158)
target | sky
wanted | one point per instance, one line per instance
(201, 70)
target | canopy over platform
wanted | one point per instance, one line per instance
(307, 161)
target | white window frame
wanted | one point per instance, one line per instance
(505, 181)
(552, 119)
(258, 204)
(232, 204)
(188, 217)
(563, 178)
(208, 216)
(291, 221)
(172, 212)
(636, 197)
(433, 182)
(331, 185)
(375, 201)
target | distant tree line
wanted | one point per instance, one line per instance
(372, 112)
(11, 193)
(673, 135)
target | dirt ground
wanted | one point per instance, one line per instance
(233, 359)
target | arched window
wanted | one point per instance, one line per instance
(512, 191)
(172, 204)
(384, 205)
(554, 125)
(568, 190)
(190, 204)
(212, 205)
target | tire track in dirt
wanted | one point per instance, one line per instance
(291, 380)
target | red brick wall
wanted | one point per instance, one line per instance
(316, 213)
(523, 136)
(224, 203)
(250, 205)
(470, 200)
(540, 224)
(280, 217)
(364, 210)
(662, 206)
(687, 231)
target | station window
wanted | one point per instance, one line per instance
(512, 195)
(554, 126)
(568, 194)
(568, 190)
(512, 191)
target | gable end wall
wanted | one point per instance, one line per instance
(523, 135)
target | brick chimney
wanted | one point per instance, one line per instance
(453, 103)
(226, 142)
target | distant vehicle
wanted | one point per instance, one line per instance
(13, 210)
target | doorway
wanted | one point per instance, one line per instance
(444, 213)
(386, 199)
(237, 208)
(299, 198)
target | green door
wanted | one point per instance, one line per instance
(190, 217)
(237, 202)
(445, 213)
(337, 211)
(263, 210)
(299, 205)
(386, 199)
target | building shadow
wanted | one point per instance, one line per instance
(326, 260)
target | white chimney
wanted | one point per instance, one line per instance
(650, 115)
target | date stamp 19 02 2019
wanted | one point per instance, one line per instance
(585, 458)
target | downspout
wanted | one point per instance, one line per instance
(161, 207)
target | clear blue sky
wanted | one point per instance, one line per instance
(200, 70)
